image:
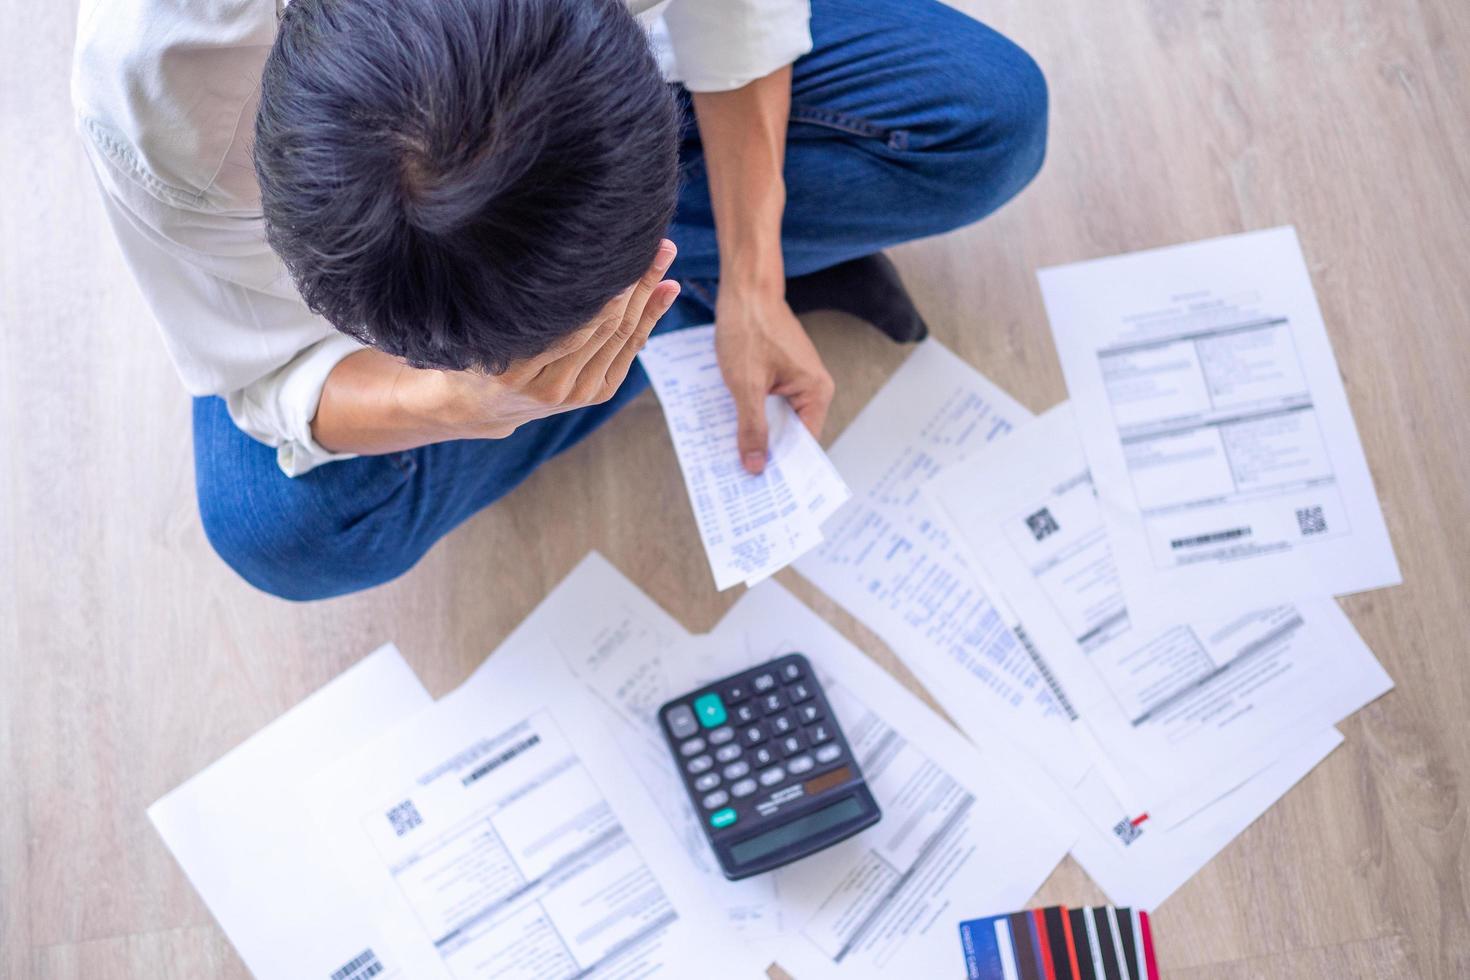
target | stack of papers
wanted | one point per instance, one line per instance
(1181, 661)
(751, 526)
(531, 824)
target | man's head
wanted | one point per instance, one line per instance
(462, 182)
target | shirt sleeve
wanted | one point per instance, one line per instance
(231, 319)
(718, 45)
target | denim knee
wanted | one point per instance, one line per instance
(996, 137)
(295, 543)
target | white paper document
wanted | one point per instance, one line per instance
(1216, 426)
(1185, 712)
(500, 835)
(890, 561)
(1161, 859)
(751, 526)
(959, 835)
(251, 849)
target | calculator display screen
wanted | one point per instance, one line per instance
(760, 845)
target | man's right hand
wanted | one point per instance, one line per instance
(585, 368)
(374, 403)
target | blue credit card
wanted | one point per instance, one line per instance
(989, 946)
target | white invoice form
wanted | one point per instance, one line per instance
(502, 837)
(251, 849)
(1216, 426)
(751, 526)
(1185, 712)
(891, 564)
(958, 833)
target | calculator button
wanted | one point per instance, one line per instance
(745, 713)
(699, 764)
(772, 776)
(736, 692)
(798, 765)
(718, 798)
(692, 747)
(708, 781)
(763, 683)
(791, 671)
(772, 703)
(681, 721)
(743, 788)
(727, 752)
(791, 744)
(783, 724)
(808, 713)
(762, 757)
(799, 693)
(721, 735)
(710, 709)
(737, 769)
(722, 818)
(754, 735)
(828, 752)
(819, 733)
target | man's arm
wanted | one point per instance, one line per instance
(762, 347)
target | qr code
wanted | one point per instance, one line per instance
(404, 817)
(1042, 523)
(1310, 520)
(1127, 831)
(360, 967)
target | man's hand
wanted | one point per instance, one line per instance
(583, 369)
(764, 349)
(374, 403)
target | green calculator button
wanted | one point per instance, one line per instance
(710, 709)
(722, 818)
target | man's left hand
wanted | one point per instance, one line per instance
(764, 349)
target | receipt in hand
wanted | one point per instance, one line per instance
(751, 526)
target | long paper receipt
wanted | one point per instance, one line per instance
(751, 526)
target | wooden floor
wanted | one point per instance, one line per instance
(130, 657)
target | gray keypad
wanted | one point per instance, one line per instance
(681, 721)
(776, 732)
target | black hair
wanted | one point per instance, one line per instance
(463, 182)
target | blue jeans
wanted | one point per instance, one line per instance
(908, 119)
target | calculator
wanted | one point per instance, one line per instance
(767, 767)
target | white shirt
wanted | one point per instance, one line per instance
(165, 95)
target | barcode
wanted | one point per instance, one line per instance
(1310, 520)
(404, 817)
(360, 967)
(1214, 537)
(1042, 524)
(1127, 831)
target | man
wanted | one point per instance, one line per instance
(404, 251)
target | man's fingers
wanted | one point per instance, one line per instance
(811, 400)
(569, 344)
(750, 405)
(615, 369)
(649, 281)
